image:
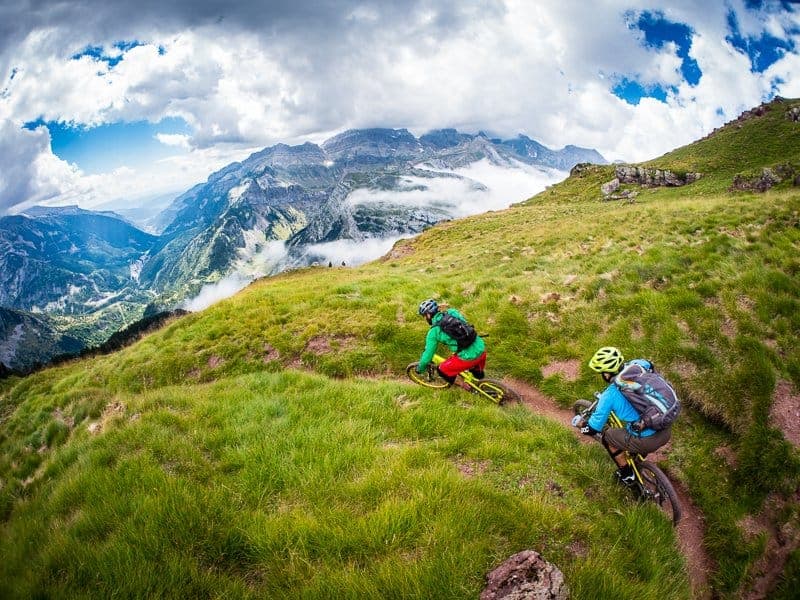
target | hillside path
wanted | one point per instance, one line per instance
(690, 529)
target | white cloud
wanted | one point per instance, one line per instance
(544, 69)
(212, 293)
(353, 253)
(174, 139)
(481, 187)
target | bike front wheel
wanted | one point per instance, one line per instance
(581, 406)
(429, 378)
(658, 489)
(497, 391)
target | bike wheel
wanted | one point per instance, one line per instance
(430, 378)
(497, 391)
(581, 406)
(658, 489)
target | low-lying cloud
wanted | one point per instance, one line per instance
(481, 187)
(214, 292)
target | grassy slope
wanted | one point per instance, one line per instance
(218, 471)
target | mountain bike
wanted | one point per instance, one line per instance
(650, 484)
(494, 390)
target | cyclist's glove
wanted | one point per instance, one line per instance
(641, 424)
(587, 430)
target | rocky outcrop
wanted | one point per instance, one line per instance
(525, 576)
(654, 177)
(769, 177)
(642, 176)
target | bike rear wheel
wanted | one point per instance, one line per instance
(658, 489)
(497, 391)
(429, 378)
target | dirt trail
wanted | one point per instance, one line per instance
(690, 529)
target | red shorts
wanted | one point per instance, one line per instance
(455, 364)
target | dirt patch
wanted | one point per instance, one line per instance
(782, 540)
(325, 344)
(59, 415)
(270, 354)
(569, 369)
(470, 468)
(401, 249)
(215, 361)
(727, 454)
(785, 412)
(685, 369)
(729, 328)
(111, 410)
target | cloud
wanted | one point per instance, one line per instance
(174, 139)
(212, 293)
(479, 188)
(250, 74)
(353, 253)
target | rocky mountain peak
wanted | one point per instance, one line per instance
(374, 143)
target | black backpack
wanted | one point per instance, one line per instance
(462, 332)
(650, 394)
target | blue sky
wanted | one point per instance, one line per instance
(119, 102)
(109, 146)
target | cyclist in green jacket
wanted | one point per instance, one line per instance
(471, 357)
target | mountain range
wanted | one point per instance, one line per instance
(84, 275)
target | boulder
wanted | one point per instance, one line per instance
(525, 576)
(610, 187)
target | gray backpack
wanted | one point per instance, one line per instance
(650, 394)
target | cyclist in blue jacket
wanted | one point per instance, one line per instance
(634, 438)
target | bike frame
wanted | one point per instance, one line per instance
(632, 460)
(468, 377)
(490, 389)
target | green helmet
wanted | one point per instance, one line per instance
(607, 360)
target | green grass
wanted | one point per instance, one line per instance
(267, 446)
(287, 485)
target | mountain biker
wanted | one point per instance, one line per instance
(472, 358)
(634, 437)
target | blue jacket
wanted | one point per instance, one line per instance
(613, 399)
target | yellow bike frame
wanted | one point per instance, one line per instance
(632, 460)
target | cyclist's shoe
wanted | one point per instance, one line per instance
(625, 477)
(477, 373)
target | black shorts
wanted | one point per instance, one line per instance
(622, 438)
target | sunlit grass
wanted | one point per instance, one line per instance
(291, 484)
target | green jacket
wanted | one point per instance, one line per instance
(436, 336)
